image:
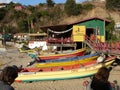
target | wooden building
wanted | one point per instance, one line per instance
(93, 26)
(2, 5)
(18, 7)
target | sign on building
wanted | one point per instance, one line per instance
(78, 33)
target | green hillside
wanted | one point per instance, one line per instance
(30, 18)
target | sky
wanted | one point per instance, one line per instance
(35, 2)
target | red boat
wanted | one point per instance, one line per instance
(79, 52)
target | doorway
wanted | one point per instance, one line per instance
(89, 32)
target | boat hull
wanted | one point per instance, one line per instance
(58, 68)
(61, 75)
(79, 52)
(79, 61)
(70, 59)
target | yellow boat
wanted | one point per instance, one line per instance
(52, 64)
(79, 52)
(59, 54)
(61, 75)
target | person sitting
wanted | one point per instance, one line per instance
(7, 77)
(100, 80)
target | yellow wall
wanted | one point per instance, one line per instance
(101, 38)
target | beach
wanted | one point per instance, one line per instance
(12, 56)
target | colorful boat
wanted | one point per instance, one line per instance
(68, 67)
(79, 52)
(70, 58)
(61, 75)
(77, 61)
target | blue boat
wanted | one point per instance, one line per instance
(69, 59)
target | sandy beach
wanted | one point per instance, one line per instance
(13, 57)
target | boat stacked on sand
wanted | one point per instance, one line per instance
(67, 67)
(76, 58)
(85, 71)
(69, 61)
(62, 64)
(51, 56)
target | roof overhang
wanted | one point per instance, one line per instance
(63, 27)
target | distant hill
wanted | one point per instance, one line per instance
(98, 11)
(41, 15)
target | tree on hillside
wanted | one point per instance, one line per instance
(87, 6)
(54, 15)
(31, 8)
(23, 26)
(2, 13)
(113, 4)
(18, 14)
(78, 9)
(50, 3)
(110, 31)
(10, 6)
(71, 8)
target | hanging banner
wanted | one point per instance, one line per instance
(56, 32)
(78, 33)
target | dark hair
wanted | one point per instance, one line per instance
(9, 74)
(103, 74)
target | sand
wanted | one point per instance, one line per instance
(13, 57)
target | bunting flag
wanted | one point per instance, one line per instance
(60, 32)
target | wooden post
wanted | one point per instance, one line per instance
(61, 43)
(75, 45)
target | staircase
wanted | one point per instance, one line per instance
(89, 42)
(106, 47)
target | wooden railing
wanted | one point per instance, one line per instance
(60, 40)
(107, 47)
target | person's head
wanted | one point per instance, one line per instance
(9, 74)
(103, 74)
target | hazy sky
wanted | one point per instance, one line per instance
(35, 2)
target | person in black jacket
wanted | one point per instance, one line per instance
(7, 77)
(100, 80)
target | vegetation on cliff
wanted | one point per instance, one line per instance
(30, 18)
